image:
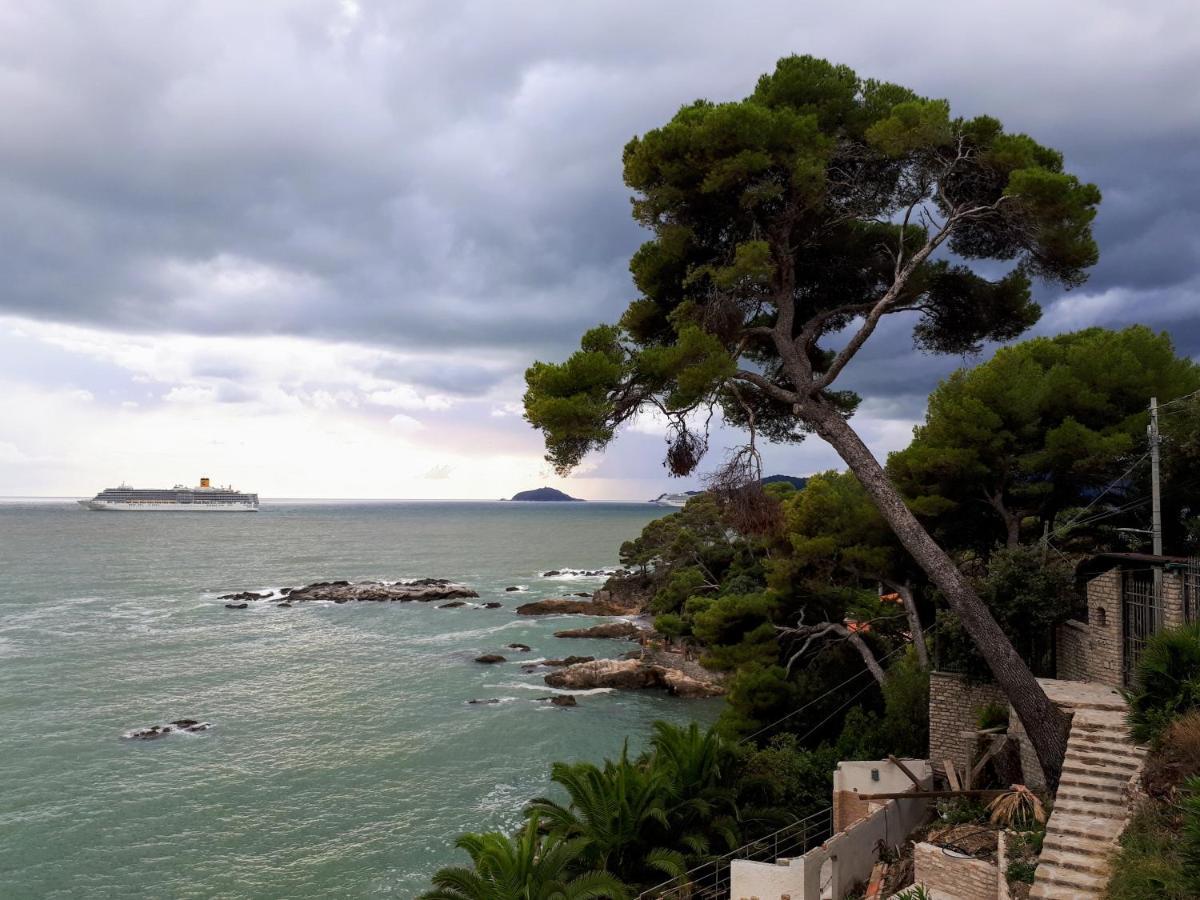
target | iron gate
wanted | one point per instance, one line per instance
(1191, 590)
(1141, 616)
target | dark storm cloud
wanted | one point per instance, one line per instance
(427, 176)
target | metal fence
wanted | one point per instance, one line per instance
(1141, 615)
(1191, 590)
(710, 881)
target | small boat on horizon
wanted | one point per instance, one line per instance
(181, 498)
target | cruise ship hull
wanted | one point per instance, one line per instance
(166, 507)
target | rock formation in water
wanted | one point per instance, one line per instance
(557, 606)
(190, 726)
(607, 630)
(636, 674)
(422, 590)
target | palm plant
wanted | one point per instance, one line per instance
(527, 866)
(1166, 683)
(617, 813)
(701, 807)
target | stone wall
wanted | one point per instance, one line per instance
(953, 703)
(1071, 648)
(1094, 650)
(964, 879)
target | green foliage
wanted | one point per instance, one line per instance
(647, 818)
(905, 729)
(1028, 591)
(790, 202)
(1149, 863)
(526, 866)
(916, 892)
(680, 584)
(1036, 431)
(1020, 870)
(991, 715)
(787, 776)
(1166, 681)
(1190, 844)
(961, 811)
(737, 629)
(672, 625)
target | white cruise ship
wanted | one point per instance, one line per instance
(204, 498)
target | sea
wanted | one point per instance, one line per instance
(345, 755)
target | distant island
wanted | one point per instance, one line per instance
(544, 494)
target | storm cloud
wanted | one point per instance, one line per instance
(440, 184)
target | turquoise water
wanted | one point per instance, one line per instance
(344, 757)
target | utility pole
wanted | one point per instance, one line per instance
(1155, 500)
(1155, 512)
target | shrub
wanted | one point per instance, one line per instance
(1190, 843)
(961, 811)
(906, 708)
(1149, 863)
(1020, 870)
(991, 715)
(1176, 758)
(1166, 682)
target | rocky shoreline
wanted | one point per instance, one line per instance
(653, 665)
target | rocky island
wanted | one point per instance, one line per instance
(545, 494)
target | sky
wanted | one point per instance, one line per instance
(310, 247)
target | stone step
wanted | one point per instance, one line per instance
(1103, 761)
(1093, 882)
(1098, 849)
(1089, 808)
(1109, 787)
(1116, 754)
(1100, 828)
(1084, 863)
(1047, 891)
(1074, 769)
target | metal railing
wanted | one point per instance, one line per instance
(710, 880)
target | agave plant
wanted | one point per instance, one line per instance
(527, 866)
(1017, 808)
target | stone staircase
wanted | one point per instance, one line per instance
(1092, 805)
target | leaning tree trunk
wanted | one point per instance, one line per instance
(1044, 723)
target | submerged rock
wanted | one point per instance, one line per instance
(563, 700)
(492, 605)
(607, 630)
(490, 658)
(484, 702)
(514, 588)
(524, 648)
(236, 605)
(190, 726)
(453, 604)
(556, 606)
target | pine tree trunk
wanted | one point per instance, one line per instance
(914, 623)
(1044, 723)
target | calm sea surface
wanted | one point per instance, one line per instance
(344, 757)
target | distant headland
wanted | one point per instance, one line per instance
(543, 493)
